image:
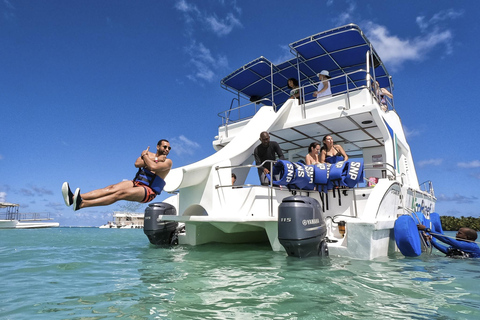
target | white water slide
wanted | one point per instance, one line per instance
(235, 153)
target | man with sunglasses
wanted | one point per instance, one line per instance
(147, 184)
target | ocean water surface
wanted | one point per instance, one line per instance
(90, 273)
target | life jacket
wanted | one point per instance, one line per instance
(150, 179)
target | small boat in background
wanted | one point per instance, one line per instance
(125, 220)
(13, 219)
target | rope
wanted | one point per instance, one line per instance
(454, 238)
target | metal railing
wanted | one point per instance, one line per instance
(427, 186)
(242, 112)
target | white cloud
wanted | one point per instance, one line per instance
(411, 133)
(3, 196)
(460, 199)
(430, 162)
(468, 165)
(222, 27)
(219, 26)
(205, 65)
(396, 51)
(285, 55)
(345, 17)
(183, 146)
(437, 18)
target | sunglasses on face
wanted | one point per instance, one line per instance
(167, 147)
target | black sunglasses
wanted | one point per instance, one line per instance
(167, 147)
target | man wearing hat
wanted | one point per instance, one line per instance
(323, 89)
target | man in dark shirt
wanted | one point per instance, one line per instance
(266, 151)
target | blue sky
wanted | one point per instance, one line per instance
(86, 85)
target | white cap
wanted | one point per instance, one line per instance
(325, 73)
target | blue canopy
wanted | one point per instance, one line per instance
(340, 51)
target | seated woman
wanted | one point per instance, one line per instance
(295, 91)
(330, 152)
(312, 156)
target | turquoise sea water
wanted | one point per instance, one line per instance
(89, 273)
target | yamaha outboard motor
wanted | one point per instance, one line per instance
(301, 227)
(160, 232)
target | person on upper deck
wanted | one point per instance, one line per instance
(313, 156)
(331, 152)
(323, 89)
(295, 90)
(266, 150)
(463, 246)
(382, 95)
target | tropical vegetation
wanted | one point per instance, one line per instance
(453, 224)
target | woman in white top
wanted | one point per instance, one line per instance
(323, 89)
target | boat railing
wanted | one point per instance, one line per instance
(307, 89)
(387, 171)
(243, 112)
(247, 111)
(427, 186)
(34, 216)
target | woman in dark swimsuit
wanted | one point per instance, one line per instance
(330, 152)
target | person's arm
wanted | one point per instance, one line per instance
(157, 167)
(308, 160)
(279, 151)
(344, 154)
(439, 247)
(325, 87)
(323, 155)
(387, 93)
(139, 163)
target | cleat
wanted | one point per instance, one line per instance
(67, 194)
(77, 200)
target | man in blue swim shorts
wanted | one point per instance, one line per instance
(147, 184)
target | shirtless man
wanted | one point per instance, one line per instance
(147, 184)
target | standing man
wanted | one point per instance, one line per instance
(266, 151)
(147, 184)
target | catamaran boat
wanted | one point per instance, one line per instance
(125, 220)
(348, 208)
(13, 219)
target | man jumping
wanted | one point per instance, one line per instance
(147, 184)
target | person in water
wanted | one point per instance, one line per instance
(331, 152)
(313, 156)
(147, 184)
(463, 246)
(266, 150)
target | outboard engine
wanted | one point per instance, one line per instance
(160, 232)
(301, 227)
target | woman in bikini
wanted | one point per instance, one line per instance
(330, 152)
(312, 156)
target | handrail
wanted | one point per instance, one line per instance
(427, 186)
(225, 115)
(227, 119)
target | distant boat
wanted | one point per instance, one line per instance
(125, 220)
(13, 219)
